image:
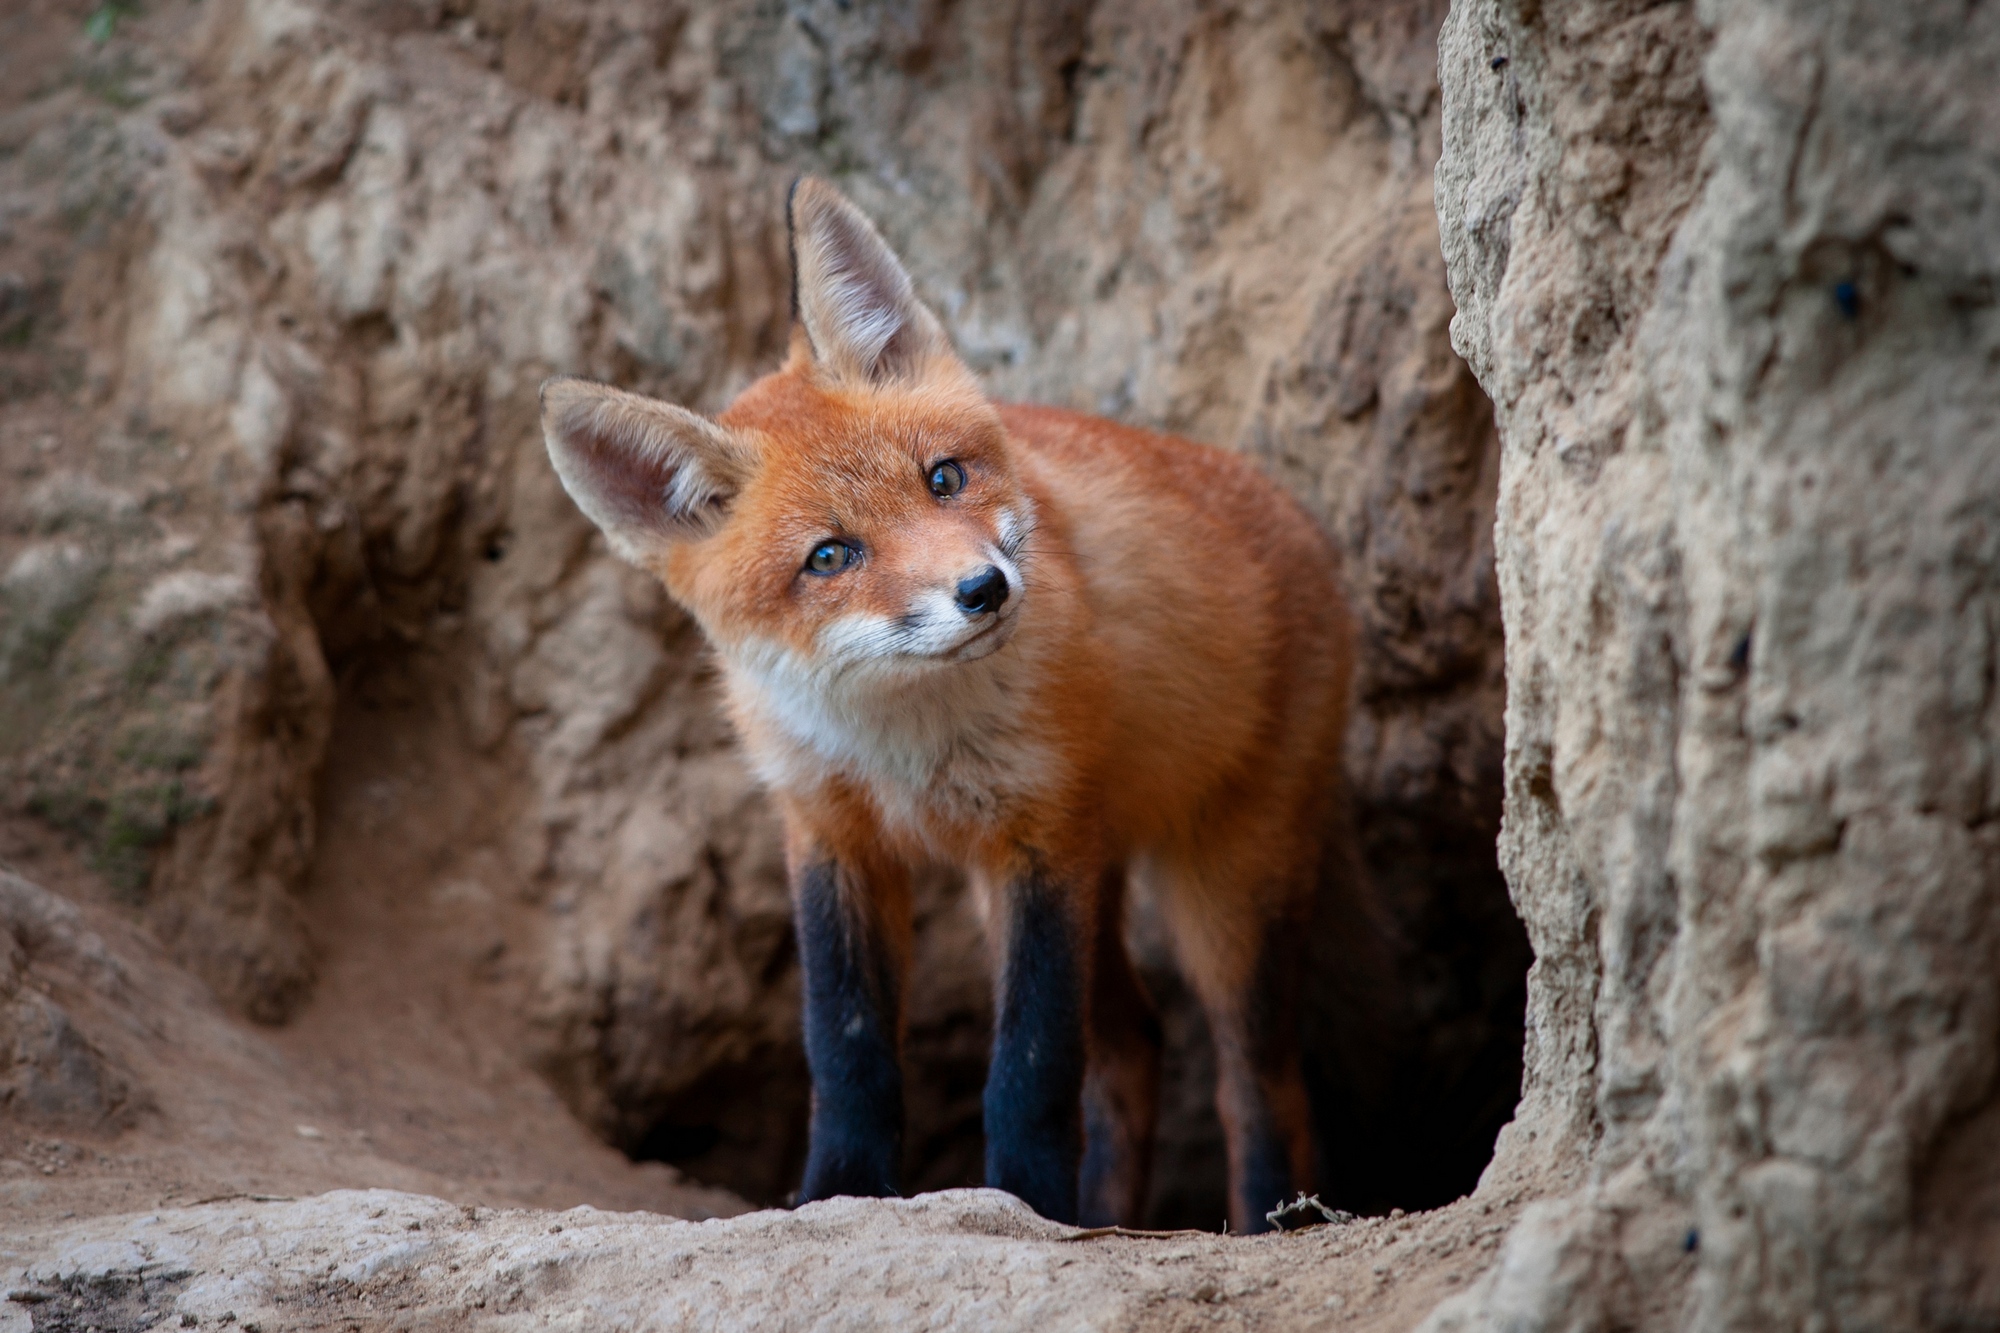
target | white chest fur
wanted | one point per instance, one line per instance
(930, 741)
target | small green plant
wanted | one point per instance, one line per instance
(136, 822)
(120, 833)
(103, 21)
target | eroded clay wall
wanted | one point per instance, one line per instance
(1728, 272)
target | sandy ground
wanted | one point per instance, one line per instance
(403, 1073)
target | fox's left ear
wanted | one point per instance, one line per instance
(646, 472)
(854, 298)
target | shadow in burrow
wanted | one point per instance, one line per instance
(1411, 1027)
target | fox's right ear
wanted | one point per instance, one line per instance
(646, 472)
(852, 295)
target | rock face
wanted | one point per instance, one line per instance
(280, 284)
(1729, 276)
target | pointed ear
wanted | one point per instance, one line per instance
(646, 472)
(860, 312)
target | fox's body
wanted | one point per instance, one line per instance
(1052, 650)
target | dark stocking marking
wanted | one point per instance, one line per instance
(850, 1028)
(1034, 1086)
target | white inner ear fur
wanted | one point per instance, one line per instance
(855, 297)
(853, 309)
(646, 472)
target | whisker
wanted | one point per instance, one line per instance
(1055, 550)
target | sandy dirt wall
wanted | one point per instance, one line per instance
(1728, 272)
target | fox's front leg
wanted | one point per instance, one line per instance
(1034, 1083)
(852, 912)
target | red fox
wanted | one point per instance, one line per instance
(1060, 653)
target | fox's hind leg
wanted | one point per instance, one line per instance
(852, 912)
(1121, 1086)
(1260, 1093)
(1239, 926)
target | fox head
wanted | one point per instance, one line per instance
(856, 511)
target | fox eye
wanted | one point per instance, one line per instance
(947, 479)
(831, 557)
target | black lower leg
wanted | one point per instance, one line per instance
(850, 1030)
(1034, 1110)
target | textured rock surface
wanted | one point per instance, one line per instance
(1729, 277)
(281, 279)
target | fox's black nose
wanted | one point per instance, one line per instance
(983, 592)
